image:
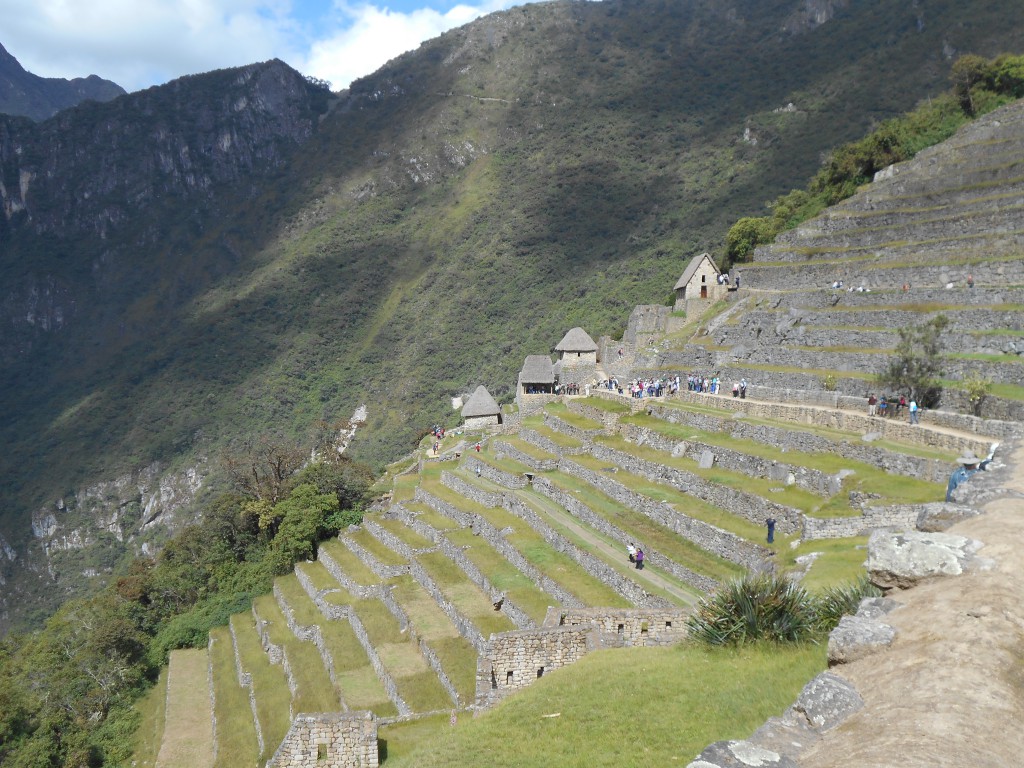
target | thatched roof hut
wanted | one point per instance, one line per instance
(481, 409)
(576, 340)
(537, 369)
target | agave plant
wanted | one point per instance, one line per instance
(761, 607)
(837, 602)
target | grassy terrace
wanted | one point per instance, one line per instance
(457, 655)
(375, 547)
(838, 561)
(152, 710)
(314, 691)
(835, 435)
(572, 418)
(269, 683)
(569, 528)
(646, 531)
(466, 596)
(431, 517)
(353, 567)
(868, 476)
(236, 734)
(604, 404)
(528, 448)
(502, 574)
(558, 567)
(404, 533)
(536, 423)
(685, 503)
(791, 496)
(416, 681)
(598, 700)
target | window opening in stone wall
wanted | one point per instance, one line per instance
(321, 752)
(540, 672)
(508, 677)
(622, 628)
(668, 625)
(494, 680)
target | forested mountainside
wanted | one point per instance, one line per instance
(23, 93)
(241, 252)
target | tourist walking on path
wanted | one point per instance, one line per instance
(631, 551)
(872, 405)
(770, 522)
(639, 559)
(913, 411)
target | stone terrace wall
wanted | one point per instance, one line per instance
(512, 660)
(872, 518)
(626, 627)
(582, 512)
(805, 442)
(755, 466)
(514, 453)
(749, 506)
(346, 740)
(726, 545)
(495, 475)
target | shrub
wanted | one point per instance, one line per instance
(763, 607)
(837, 602)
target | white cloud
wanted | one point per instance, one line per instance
(138, 43)
(371, 36)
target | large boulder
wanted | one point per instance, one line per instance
(740, 754)
(856, 637)
(901, 560)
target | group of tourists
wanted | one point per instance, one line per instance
(571, 388)
(893, 407)
(707, 384)
(636, 555)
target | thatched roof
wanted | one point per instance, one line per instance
(480, 403)
(537, 370)
(693, 267)
(576, 340)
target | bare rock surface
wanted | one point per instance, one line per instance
(902, 559)
(950, 689)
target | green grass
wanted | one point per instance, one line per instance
(536, 423)
(503, 575)
(150, 733)
(637, 706)
(604, 404)
(404, 533)
(840, 562)
(375, 547)
(646, 531)
(572, 418)
(467, 597)
(528, 448)
(236, 734)
(352, 566)
(314, 691)
(269, 683)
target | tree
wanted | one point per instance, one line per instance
(745, 235)
(968, 71)
(260, 469)
(917, 362)
(977, 388)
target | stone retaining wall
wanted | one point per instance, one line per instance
(726, 545)
(213, 693)
(324, 740)
(596, 567)
(585, 514)
(872, 518)
(626, 627)
(583, 435)
(811, 480)
(516, 454)
(245, 681)
(748, 506)
(806, 442)
(495, 475)
(536, 438)
(513, 660)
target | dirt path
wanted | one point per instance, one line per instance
(950, 691)
(188, 731)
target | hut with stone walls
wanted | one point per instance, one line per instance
(699, 284)
(536, 383)
(577, 358)
(481, 410)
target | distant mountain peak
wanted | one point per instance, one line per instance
(39, 98)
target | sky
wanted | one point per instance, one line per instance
(139, 43)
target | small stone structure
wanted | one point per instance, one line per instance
(336, 740)
(625, 627)
(699, 281)
(536, 383)
(577, 358)
(481, 410)
(512, 660)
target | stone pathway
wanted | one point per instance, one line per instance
(188, 729)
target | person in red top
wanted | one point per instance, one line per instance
(872, 405)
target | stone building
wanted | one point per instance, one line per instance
(699, 282)
(329, 740)
(577, 358)
(536, 383)
(481, 410)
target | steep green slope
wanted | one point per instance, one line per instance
(545, 167)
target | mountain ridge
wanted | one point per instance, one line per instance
(40, 98)
(488, 181)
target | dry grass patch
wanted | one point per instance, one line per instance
(150, 733)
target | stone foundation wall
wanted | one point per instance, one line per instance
(626, 627)
(903, 517)
(512, 660)
(344, 740)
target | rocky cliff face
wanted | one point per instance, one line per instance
(39, 98)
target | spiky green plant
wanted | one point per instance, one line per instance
(837, 602)
(762, 607)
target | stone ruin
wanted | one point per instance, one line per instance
(341, 740)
